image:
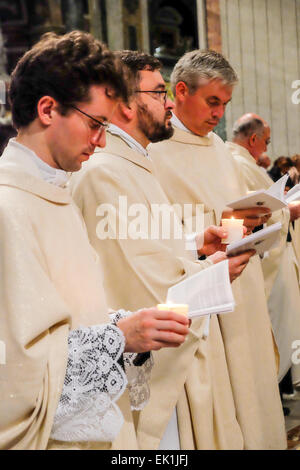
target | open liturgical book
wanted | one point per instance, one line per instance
(206, 292)
(293, 194)
(264, 240)
(273, 198)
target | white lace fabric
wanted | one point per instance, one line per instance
(138, 381)
(95, 380)
(138, 376)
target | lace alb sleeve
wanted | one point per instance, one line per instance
(94, 381)
(138, 376)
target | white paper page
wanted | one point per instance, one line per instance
(258, 199)
(277, 189)
(294, 197)
(273, 198)
(206, 292)
(295, 189)
(293, 194)
(261, 241)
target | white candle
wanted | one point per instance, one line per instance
(177, 308)
(234, 228)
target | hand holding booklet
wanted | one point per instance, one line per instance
(261, 241)
(206, 292)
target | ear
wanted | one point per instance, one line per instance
(45, 108)
(252, 140)
(181, 91)
(127, 111)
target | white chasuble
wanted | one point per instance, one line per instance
(199, 170)
(279, 267)
(50, 283)
(138, 272)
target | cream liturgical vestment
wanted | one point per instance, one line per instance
(295, 233)
(138, 273)
(279, 266)
(195, 170)
(50, 282)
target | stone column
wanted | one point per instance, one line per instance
(44, 16)
(213, 15)
(95, 19)
(3, 76)
(55, 13)
(115, 26)
(145, 26)
(3, 73)
(201, 19)
(73, 13)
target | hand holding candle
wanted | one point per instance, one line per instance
(151, 329)
(234, 228)
(252, 217)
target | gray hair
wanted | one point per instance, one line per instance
(202, 65)
(246, 128)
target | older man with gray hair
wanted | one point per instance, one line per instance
(251, 136)
(252, 133)
(195, 167)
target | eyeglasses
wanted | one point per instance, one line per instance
(101, 125)
(160, 95)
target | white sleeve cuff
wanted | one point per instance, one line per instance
(191, 245)
(94, 381)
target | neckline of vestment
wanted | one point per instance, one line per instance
(185, 137)
(19, 170)
(117, 146)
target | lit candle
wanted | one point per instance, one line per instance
(177, 308)
(234, 228)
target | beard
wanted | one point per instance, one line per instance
(154, 130)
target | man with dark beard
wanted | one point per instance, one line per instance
(141, 263)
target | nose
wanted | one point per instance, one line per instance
(98, 138)
(218, 112)
(169, 104)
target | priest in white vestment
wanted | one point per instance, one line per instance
(191, 404)
(195, 167)
(66, 369)
(251, 135)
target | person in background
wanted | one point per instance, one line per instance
(251, 134)
(281, 166)
(264, 161)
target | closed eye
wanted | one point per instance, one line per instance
(213, 103)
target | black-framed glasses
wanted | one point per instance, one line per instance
(161, 94)
(101, 125)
